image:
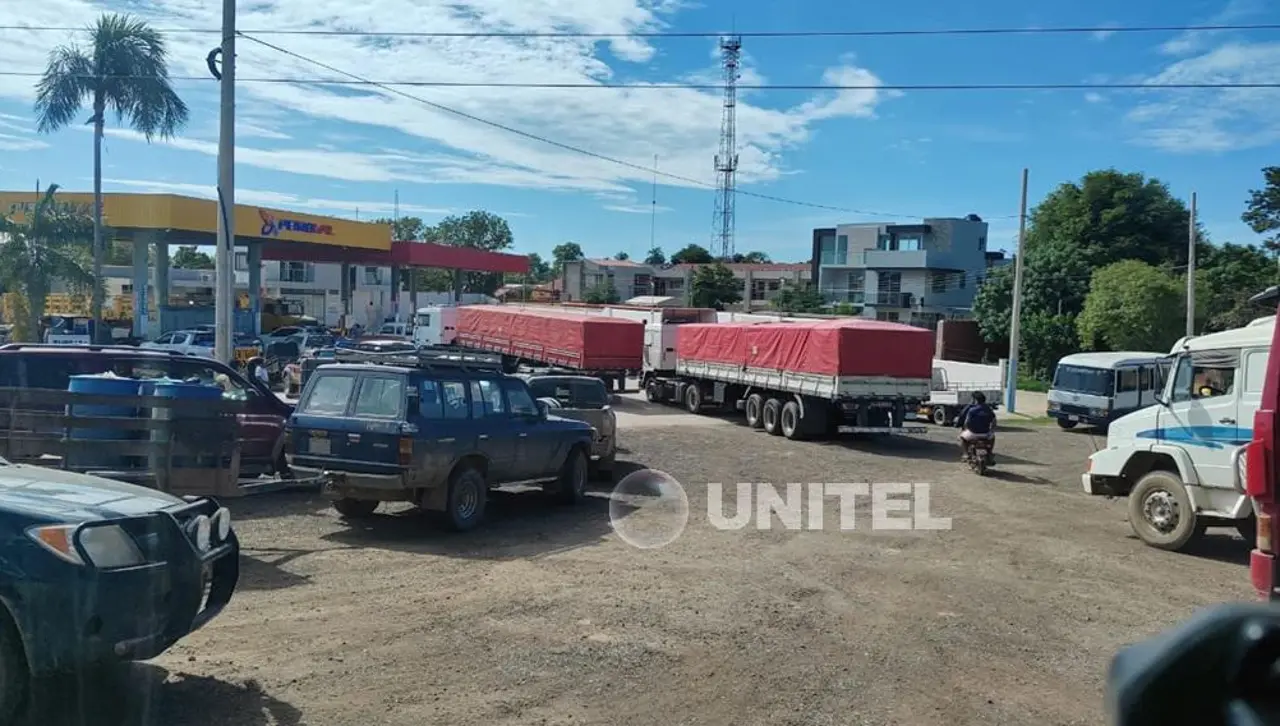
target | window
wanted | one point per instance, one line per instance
(518, 396)
(890, 281)
(1145, 378)
(328, 397)
(909, 244)
(486, 399)
(297, 272)
(571, 392)
(842, 250)
(1255, 371)
(454, 397)
(379, 398)
(242, 260)
(1207, 375)
(429, 405)
(1078, 379)
(372, 276)
(982, 244)
(937, 282)
(1127, 380)
(204, 340)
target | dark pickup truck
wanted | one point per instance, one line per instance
(95, 571)
(437, 428)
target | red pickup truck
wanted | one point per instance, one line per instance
(1262, 463)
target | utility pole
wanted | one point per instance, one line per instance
(653, 211)
(224, 297)
(1011, 385)
(1191, 270)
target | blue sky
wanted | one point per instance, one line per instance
(327, 150)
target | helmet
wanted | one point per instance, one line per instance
(979, 397)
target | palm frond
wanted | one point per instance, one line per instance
(61, 90)
(132, 59)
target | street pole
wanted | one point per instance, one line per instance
(224, 295)
(1011, 385)
(1191, 270)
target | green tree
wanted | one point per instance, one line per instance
(1226, 277)
(794, 298)
(622, 256)
(1110, 216)
(405, 228)
(993, 303)
(752, 258)
(601, 294)
(692, 254)
(476, 229)
(655, 256)
(1045, 339)
(48, 244)
(1262, 212)
(188, 257)
(1131, 306)
(124, 69)
(562, 253)
(714, 286)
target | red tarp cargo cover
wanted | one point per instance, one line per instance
(587, 342)
(848, 347)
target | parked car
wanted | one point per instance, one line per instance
(582, 398)
(436, 428)
(262, 422)
(191, 342)
(95, 571)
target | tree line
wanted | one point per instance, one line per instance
(1105, 263)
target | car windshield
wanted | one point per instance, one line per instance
(571, 392)
(1078, 379)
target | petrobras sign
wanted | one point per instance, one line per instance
(272, 225)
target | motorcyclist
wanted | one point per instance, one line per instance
(976, 422)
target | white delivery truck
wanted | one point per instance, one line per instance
(1180, 462)
(954, 384)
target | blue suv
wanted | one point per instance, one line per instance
(437, 428)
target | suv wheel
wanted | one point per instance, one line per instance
(468, 494)
(571, 487)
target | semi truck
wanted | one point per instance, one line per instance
(607, 348)
(802, 379)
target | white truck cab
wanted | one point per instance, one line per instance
(1180, 462)
(435, 325)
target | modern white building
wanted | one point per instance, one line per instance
(760, 282)
(910, 273)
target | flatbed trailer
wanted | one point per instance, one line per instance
(797, 380)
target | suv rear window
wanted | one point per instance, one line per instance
(380, 397)
(329, 394)
(571, 392)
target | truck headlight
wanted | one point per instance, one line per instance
(221, 524)
(201, 531)
(106, 546)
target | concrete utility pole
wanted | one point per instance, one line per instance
(1011, 385)
(224, 293)
(1191, 269)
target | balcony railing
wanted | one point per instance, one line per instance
(893, 299)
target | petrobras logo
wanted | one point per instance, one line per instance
(272, 227)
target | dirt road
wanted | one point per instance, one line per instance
(545, 617)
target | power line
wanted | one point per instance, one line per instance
(870, 33)
(712, 86)
(561, 145)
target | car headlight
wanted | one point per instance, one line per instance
(221, 525)
(201, 530)
(106, 546)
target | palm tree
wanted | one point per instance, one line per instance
(47, 245)
(125, 69)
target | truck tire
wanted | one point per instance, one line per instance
(693, 398)
(1065, 424)
(468, 494)
(355, 508)
(653, 392)
(941, 415)
(14, 676)
(770, 417)
(754, 408)
(571, 486)
(1160, 511)
(789, 422)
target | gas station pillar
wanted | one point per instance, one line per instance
(254, 257)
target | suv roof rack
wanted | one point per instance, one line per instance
(425, 358)
(64, 346)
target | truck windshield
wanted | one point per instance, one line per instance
(570, 392)
(1078, 379)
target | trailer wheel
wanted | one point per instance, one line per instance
(693, 398)
(789, 421)
(941, 416)
(653, 392)
(754, 408)
(770, 417)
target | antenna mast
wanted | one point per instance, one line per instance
(727, 158)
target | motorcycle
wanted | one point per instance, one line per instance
(979, 456)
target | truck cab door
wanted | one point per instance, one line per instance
(1204, 413)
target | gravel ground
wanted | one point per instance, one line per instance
(544, 616)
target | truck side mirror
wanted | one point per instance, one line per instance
(542, 409)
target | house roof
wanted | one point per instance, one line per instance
(753, 266)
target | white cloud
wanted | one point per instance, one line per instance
(1198, 120)
(680, 125)
(10, 142)
(637, 208)
(1094, 97)
(1235, 11)
(272, 199)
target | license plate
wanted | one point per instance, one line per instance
(1073, 418)
(319, 447)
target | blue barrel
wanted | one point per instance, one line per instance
(166, 388)
(99, 456)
